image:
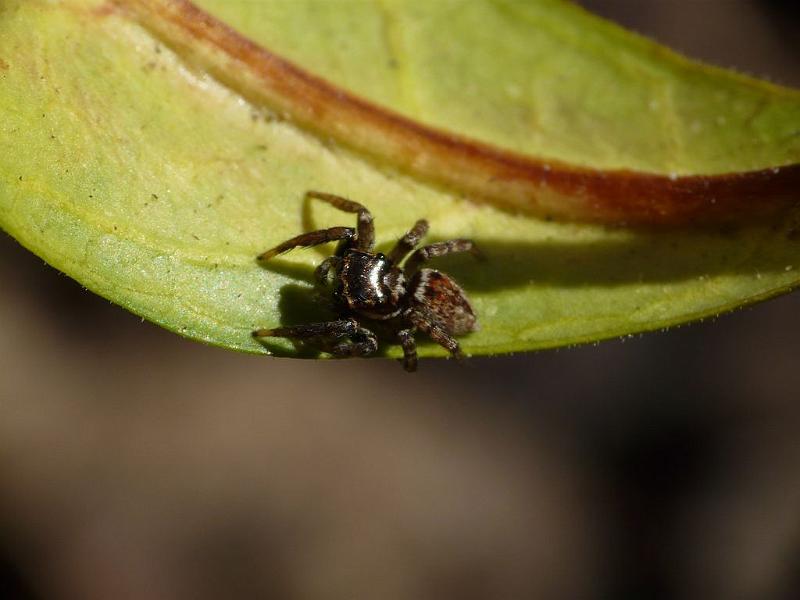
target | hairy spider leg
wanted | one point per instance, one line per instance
(344, 338)
(365, 240)
(427, 325)
(409, 241)
(312, 238)
(416, 260)
(406, 339)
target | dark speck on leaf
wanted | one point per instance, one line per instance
(154, 196)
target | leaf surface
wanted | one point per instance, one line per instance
(152, 162)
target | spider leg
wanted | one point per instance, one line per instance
(312, 238)
(439, 249)
(365, 240)
(406, 338)
(324, 268)
(340, 328)
(362, 343)
(427, 325)
(409, 241)
(343, 338)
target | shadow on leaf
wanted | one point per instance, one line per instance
(643, 258)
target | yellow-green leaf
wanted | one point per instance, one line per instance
(152, 161)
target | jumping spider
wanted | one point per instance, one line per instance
(395, 301)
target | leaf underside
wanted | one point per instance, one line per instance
(153, 168)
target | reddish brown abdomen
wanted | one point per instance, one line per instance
(437, 294)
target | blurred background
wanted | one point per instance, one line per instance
(136, 464)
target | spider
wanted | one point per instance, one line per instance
(372, 288)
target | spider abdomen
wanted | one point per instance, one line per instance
(440, 296)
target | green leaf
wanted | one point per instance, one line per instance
(152, 157)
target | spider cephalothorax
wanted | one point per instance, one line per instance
(397, 301)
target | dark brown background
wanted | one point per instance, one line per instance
(135, 464)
